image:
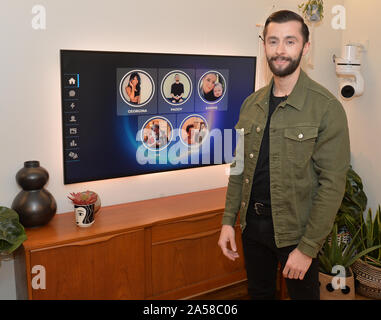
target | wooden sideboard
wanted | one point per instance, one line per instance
(163, 248)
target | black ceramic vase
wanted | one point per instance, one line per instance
(34, 204)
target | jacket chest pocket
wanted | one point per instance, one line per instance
(245, 132)
(300, 142)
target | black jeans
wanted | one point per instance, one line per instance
(261, 262)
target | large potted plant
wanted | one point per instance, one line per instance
(12, 233)
(339, 255)
(353, 204)
(368, 269)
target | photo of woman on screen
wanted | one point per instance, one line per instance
(212, 86)
(133, 88)
(137, 88)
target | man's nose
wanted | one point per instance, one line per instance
(280, 49)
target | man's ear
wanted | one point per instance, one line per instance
(306, 48)
(263, 44)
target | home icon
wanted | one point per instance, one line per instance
(72, 81)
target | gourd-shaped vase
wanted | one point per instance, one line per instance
(34, 204)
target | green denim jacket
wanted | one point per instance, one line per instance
(309, 158)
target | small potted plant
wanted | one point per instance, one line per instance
(339, 253)
(312, 10)
(84, 207)
(12, 233)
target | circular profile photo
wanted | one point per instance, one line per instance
(194, 130)
(211, 87)
(176, 87)
(137, 88)
(157, 133)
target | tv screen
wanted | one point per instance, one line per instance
(126, 114)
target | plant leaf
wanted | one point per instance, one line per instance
(362, 253)
(12, 233)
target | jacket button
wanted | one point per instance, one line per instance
(247, 180)
(251, 156)
(258, 129)
(300, 136)
(243, 204)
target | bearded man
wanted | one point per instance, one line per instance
(295, 159)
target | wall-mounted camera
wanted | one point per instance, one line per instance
(348, 69)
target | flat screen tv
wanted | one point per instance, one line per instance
(126, 113)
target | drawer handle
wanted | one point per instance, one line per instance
(191, 237)
(87, 242)
(200, 218)
(94, 240)
(102, 239)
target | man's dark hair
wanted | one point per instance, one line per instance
(286, 16)
(189, 126)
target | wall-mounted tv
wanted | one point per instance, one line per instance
(126, 113)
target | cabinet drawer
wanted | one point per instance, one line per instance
(108, 267)
(186, 261)
(186, 227)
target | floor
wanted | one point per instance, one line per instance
(238, 292)
(234, 292)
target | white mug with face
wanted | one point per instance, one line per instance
(84, 215)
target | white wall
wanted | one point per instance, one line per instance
(364, 113)
(30, 92)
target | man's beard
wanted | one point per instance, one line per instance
(292, 66)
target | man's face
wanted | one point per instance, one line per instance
(177, 78)
(284, 47)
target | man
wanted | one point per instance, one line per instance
(295, 160)
(189, 130)
(177, 90)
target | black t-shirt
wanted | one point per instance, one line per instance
(260, 191)
(177, 89)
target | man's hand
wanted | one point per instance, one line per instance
(297, 265)
(228, 235)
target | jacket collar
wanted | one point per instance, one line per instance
(297, 97)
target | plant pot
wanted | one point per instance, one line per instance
(84, 215)
(368, 279)
(327, 292)
(313, 13)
